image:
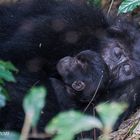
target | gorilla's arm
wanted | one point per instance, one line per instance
(63, 98)
(128, 93)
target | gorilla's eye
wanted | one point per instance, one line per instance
(78, 85)
(82, 59)
(117, 52)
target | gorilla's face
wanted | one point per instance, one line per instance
(83, 75)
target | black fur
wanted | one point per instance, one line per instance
(34, 35)
(51, 28)
(112, 74)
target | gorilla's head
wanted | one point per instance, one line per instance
(83, 75)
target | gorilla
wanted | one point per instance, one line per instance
(48, 30)
(34, 35)
(112, 74)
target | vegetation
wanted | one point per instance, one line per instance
(128, 6)
(65, 124)
(6, 69)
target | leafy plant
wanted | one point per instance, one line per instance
(109, 114)
(6, 69)
(128, 6)
(66, 124)
(94, 2)
(2, 100)
(32, 104)
(9, 136)
(70, 123)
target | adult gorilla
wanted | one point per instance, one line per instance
(34, 35)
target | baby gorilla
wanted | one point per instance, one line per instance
(82, 75)
(87, 80)
(84, 79)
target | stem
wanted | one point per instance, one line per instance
(112, 1)
(26, 127)
(106, 133)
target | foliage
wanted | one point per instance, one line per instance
(33, 104)
(9, 136)
(64, 125)
(70, 123)
(6, 69)
(108, 115)
(128, 6)
(94, 2)
(2, 100)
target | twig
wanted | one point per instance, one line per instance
(94, 94)
(26, 127)
(94, 129)
(112, 1)
(40, 135)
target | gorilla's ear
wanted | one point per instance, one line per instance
(63, 98)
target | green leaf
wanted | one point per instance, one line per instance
(94, 2)
(109, 113)
(6, 75)
(6, 135)
(97, 2)
(68, 124)
(1, 82)
(6, 69)
(8, 66)
(33, 103)
(128, 6)
(3, 92)
(2, 100)
(3, 96)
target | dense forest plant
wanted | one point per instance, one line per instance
(125, 6)
(6, 69)
(128, 5)
(65, 124)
